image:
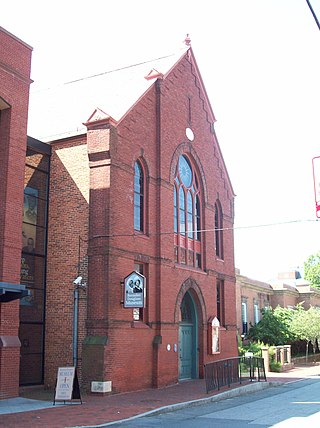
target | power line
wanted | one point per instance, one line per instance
(313, 14)
(126, 235)
(92, 76)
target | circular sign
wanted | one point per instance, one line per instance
(189, 134)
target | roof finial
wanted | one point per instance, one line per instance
(187, 40)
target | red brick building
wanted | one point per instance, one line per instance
(139, 207)
(15, 62)
(287, 291)
(142, 188)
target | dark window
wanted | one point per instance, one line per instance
(218, 224)
(182, 212)
(190, 215)
(138, 197)
(244, 317)
(220, 302)
(186, 311)
(175, 211)
(189, 111)
(187, 215)
(33, 266)
(197, 219)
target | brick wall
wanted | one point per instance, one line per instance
(15, 61)
(67, 252)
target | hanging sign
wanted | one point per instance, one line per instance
(134, 290)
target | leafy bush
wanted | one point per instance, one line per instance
(274, 366)
(274, 327)
(254, 347)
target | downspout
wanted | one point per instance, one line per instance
(158, 339)
(158, 197)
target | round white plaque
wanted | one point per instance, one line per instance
(189, 134)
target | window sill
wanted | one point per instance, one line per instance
(186, 267)
(139, 324)
(138, 234)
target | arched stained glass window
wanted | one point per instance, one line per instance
(182, 212)
(175, 210)
(197, 218)
(190, 215)
(187, 214)
(138, 197)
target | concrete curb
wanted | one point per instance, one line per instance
(242, 390)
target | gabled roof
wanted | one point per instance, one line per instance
(60, 112)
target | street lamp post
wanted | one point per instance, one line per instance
(77, 283)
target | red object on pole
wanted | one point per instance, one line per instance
(316, 182)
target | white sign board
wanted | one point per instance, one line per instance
(215, 324)
(134, 290)
(64, 385)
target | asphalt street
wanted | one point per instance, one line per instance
(295, 404)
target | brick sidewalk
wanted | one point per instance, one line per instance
(97, 410)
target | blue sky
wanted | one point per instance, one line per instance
(260, 64)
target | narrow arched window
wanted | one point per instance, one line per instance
(175, 210)
(182, 212)
(190, 215)
(187, 214)
(197, 219)
(138, 197)
(218, 226)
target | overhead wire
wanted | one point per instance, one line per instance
(313, 14)
(137, 235)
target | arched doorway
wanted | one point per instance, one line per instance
(188, 339)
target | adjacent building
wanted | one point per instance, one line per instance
(15, 63)
(287, 291)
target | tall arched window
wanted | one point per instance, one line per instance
(218, 226)
(187, 215)
(139, 195)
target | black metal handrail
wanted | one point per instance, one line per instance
(233, 370)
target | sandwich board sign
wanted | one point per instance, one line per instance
(67, 386)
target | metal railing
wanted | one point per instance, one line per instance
(233, 370)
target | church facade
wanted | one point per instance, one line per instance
(127, 241)
(145, 192)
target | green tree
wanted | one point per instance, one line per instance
(312, 270)
(305, 326)
(274, 327)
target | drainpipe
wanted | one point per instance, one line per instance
(158, 199)
(157, 338)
